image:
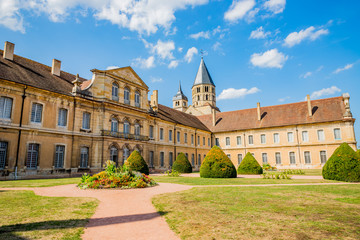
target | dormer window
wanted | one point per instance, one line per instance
(137, 99)
(115, 92)
(127, 95)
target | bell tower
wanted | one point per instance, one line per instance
(180, 101)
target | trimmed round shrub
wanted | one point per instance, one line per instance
(249, 165)
(182, 164)
(137, 163)
(358, 152)
(343, 165)
(217, 165)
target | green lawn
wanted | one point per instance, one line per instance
(28, 216)
(284, 212)
(39, 182)
(232, 181)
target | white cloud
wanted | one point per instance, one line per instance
(190, 54)
(275, 6)
(324, 92)
(10, 16)
(112, 67)
(216, 46)
(144, 62)
(238, 10)
(259, 33)
(232, 93)
(308, 74)
(173, 64)
(201, 34)
(310, 33)
(155, 80)
(283, 99)
(180, 49)
(163, 49)
(348, 66)
(269, 59)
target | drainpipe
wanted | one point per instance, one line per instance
(298, 144)
(19, 137)
(245, 143)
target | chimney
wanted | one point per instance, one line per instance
(213, 116)
(309, 105)
(154, 101)
(346, 98)
(258, 111)
(56, 66)
(9, 51)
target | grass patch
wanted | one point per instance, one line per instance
(282, 212)
(39, 182)
(28, 216)
(233, 181)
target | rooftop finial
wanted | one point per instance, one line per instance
(180, 90)
(202, 53)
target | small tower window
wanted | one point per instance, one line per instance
(206, 89)
(198, 97)
(213, 90)
(198, 89)
(207, 97)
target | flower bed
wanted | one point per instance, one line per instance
(113, 177)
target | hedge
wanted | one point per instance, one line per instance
(217, 165)
(182, 164)
(343, 165)
(249, 165)
(137, 163)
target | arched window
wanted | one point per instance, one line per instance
(137, 129)
(198, 97)
(114, 154)
(207, 97)
(137, 99)
(127, 95)
(126, 127)
(115, 91)
(114, 125)
(126, 153)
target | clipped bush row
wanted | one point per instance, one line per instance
(293, 171)
(249, 165)
(275, 176)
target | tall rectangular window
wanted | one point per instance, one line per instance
(137, 99)
(278, 158)
(161, 134)
(115, 91)
(198, 141)
(292, 157)
(3, 153)
(86, 120)
(276, 138)
(126, 95)
(227, 140)
(290, 137)
(337, 134)
(305, 136)
(264, 158)
(62, 118)
(5, 107)
(192, 139)
(192, 159)
(170, 159)
(307, 157)
(321, 135)
(323, 157)
(151, 132)
(32, 156)
(263, 138)
(36, 113)
(209, 142)
(178, 136)
(251, 139)
(238, 140)
(229, 156)
(217, 143)
(151, 159)
(199, 159)
(84, 157)
(240, 157)
(185, 137)
(170, 135)
(59, 156)
(162, 159)
(204, 141)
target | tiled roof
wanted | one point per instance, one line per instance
(175, 116)
(324, 110)
(180, 95)
(31, 73)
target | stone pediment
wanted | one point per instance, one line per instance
(128, 74)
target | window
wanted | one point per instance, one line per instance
(137, 129)
(292, 157)
(305, 136)
(3, 153)
(323, 157)
(290, 137)
(198, 89)
(239, 158)
(162, 159)
(151, 132)
(114, 125)
(337, 134)
(151, 159)
(238, 140)
(86, 120)
(161, 134)
(115, 92)
(170, 135)
(204, 141)
(276, 138)
(321, 136)
(114, 156)
(228, 155)
(263, 138)
(32, 156)
(209, 142)
(5, 107)
(62, 118)
(187, 155)
(192, 159)
(199, 159)
(264, 158)
(217, 143)
(59, 156)
(278, 158)
(84, 157)
(206, 89)
(36, 113)
(307, 157)
(198, 141)
(227, 141)
(185, 137)
(137, 99)
(126, 127)
(178, 136)
(126, 95)
(126, 154)
(192, 139)
(170, 159)
(251, 139)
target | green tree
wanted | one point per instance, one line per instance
(249, 165)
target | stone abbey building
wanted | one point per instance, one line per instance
(53, 123)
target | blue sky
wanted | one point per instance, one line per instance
(271, 51)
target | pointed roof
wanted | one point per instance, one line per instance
(203, 75)
(180, 95)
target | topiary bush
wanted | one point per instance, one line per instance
(182, 164)
(343, 165)
(217, 165)
(137, 163)
(358, 152)
(249, 165)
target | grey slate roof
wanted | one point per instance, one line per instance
(180, 95)
(203, 75)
